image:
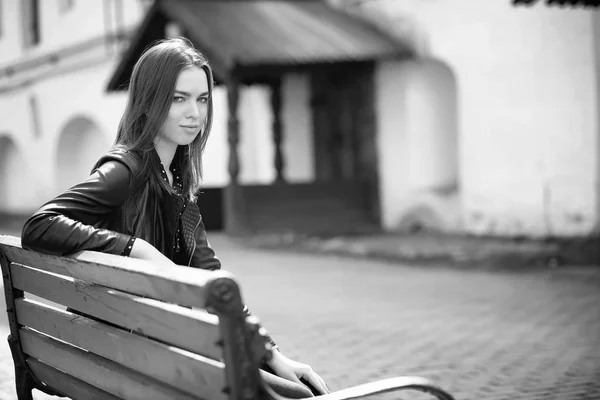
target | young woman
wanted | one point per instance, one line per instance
(140, 199)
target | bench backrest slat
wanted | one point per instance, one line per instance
(177, 284)
(184, 370)
(192, 330)
(104, 374)
(66, 384)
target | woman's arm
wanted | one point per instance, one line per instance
(65, 224)
(204, 257)
(145, 251)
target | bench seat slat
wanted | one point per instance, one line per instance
(193, 330)
(176, 284)
(88, 367)
(186, 371)
(66, 384)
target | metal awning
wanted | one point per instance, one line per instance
(255, 33)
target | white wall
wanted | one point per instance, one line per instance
(596, 30)
(16, 129)
(58, 30)
(298, 153)
(88, 19)
(256, 147)
(60, 99)
(527, 117)
(417, 145)
(527, 111)
(14, 173)
(256, 139)
(80, 95)
(10, 31)
(70, 88)
(216, 154)
(74, 90)
(80, 144)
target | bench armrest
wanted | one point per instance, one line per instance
(384, 386)
(389, 385)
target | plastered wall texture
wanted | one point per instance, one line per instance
(526, 115)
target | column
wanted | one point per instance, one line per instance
(233, 129)
(234, 210)
(276, 106)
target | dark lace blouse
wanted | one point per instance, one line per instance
(178, 187)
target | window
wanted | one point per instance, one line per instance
(31, 22)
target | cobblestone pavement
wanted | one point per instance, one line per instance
(494, 335)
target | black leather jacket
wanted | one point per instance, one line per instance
(112, 205)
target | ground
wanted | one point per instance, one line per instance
(482, 334)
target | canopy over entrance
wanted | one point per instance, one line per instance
(259, 41)
(246, 34)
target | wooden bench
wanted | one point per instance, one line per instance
(142, 342)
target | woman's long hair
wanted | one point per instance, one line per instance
(151, 91)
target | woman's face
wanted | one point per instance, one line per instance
(189, 107)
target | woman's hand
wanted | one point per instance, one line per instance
(294, 371)
(145, 251)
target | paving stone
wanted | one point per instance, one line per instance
(484, 335)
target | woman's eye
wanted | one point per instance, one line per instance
(178, 99)
(203, 100)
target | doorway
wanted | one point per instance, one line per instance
(344, 128)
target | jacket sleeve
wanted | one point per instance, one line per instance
(65, 224)
(204, 257)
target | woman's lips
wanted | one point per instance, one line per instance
(191, 129)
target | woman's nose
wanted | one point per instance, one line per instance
(193, 111)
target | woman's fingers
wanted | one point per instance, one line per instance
(324, 384)
(290, 376)
(297, 372)
(317, 382)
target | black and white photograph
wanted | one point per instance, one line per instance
(293, 199)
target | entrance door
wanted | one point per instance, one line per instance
(344, 127)
(342, 120)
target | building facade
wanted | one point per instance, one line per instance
(513, 92)
(491, 129)
(56, 117)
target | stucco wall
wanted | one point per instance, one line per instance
(80, 95)
(61, 99)
(297, 146)
(10, 48)
(524, 158)
(417, 145)
(87, 20)
(16, 201)
(527, 112)
(58, 29)
(71, 94)
(256, 148)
